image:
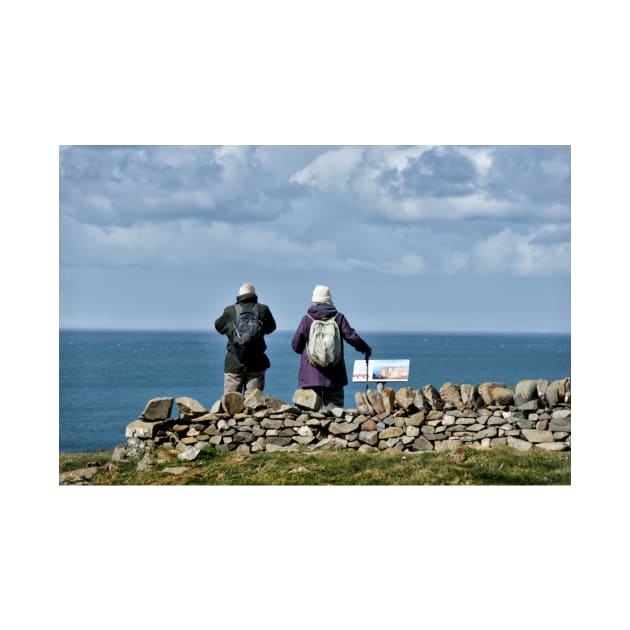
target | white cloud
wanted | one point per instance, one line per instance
(521, 254)
(331, 171)
(365, 210)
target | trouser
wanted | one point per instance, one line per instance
(243, 383)
(330, 395)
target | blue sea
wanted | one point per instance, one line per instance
(106, 377)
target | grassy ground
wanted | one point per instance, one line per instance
(463, 466)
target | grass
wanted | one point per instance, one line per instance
(463, 466)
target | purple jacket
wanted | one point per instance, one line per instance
(335, 376)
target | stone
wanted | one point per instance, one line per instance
(279, 441)
(304, 439)
(338, 428)
(305, 431)
(388, 396)
(412, 431)
(451, 394)
(376, 401)
(255, 400)
(490, 432)
(525, 424)
(274, 448)
(330, 444)
(232, 403)
(422, 444)
(502, 396)
(307, 399)
(560, 424)
(157, 409)
(189, 407)
(432, 397)
(416, 419)
(363, 404)
(560, 414)
(519, 445)
(530, 405)
(175, 470)
(338, 412)
(77, 477)
(369, 437)
(258, 445)
(556, 392)
(470, 396)
(541, 387)
(190, 453)
(216, 407)
(535, 436)
(405, 397)
(526, 391)
(269, 423)
(143, 430)
(448, 420)
(560, 436)
(485, 391)
(368, 425)
(391, 432)
(434, 415)
(494, 420)
(271, 402)
(366, 448)
(419, 401)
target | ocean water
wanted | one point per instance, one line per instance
(106, 377)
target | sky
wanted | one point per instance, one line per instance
(431, 238)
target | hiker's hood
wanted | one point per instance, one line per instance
(322, 311)
(247, 298)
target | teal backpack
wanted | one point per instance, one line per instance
(324, 342)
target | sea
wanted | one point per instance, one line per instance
(106, 376)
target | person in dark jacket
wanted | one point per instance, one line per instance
(248, 373)
(330, 381)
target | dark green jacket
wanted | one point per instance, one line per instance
(225, 326)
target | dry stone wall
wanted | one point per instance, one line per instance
(533, 414)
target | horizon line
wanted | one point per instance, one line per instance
(287, 330)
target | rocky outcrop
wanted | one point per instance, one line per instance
(535, 414)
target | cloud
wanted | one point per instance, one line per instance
(128, 185)
(391, 211)
(418, 184)
(528, 254)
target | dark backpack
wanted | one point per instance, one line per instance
(247, 331)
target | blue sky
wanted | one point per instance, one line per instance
(457, 238)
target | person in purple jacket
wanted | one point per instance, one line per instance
(327, 382)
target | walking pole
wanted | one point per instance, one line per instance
(367, 371)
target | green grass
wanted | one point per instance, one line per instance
(464, 466)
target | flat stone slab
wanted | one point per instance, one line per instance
(157, 409)
(190, 407)
(536, 435)
(142, 429)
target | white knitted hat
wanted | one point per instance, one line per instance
(246, 288)
(321, 295)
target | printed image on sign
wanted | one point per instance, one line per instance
(381, 370)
